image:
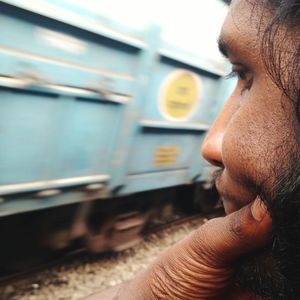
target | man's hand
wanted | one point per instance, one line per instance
(201, 265)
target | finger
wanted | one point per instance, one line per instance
(225, 239)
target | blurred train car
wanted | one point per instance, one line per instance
(100, 100)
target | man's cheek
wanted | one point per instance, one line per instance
(244, 156)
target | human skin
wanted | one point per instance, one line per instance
(250, 141)
(200, 266)
(254, 130)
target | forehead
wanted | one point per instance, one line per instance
(242, 27)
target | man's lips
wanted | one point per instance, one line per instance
(232, 195)
(228, 205)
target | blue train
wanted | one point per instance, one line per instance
(93, 109)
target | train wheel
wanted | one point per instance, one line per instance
(117, 233)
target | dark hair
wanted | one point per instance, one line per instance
(281, 47)
(286, 13)
(275, 274)
(281, 55)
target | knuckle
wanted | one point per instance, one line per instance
(238, 228)
(242, 226)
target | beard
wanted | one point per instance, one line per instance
(274, 271)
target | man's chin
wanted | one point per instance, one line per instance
(259, 274)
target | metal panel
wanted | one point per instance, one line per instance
(207, 95)
(129, 124)
(69, 14)
(175, 126)
(51, 184)
(151, 181)
(102, 94)
(26, 203)
(79, 104)
(158, 131)
(53, 40)
(148, 145)
(46, 137)
(190, 59)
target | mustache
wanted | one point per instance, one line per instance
(216, 174)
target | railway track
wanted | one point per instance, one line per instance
(78, 254)
(178, 221)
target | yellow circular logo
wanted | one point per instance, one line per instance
(180, 95)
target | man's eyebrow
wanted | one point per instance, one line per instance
(223, 48)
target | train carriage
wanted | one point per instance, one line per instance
(95, 105)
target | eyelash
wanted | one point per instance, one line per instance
(242, 76)
(239, 74)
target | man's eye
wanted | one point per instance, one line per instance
(244, 77)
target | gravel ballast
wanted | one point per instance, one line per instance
(88, 274)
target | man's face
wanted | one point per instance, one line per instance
(254, 141)
(252, 135)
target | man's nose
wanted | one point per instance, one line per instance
(212, 148)
(212, 145)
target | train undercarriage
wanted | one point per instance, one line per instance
(100, 225)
